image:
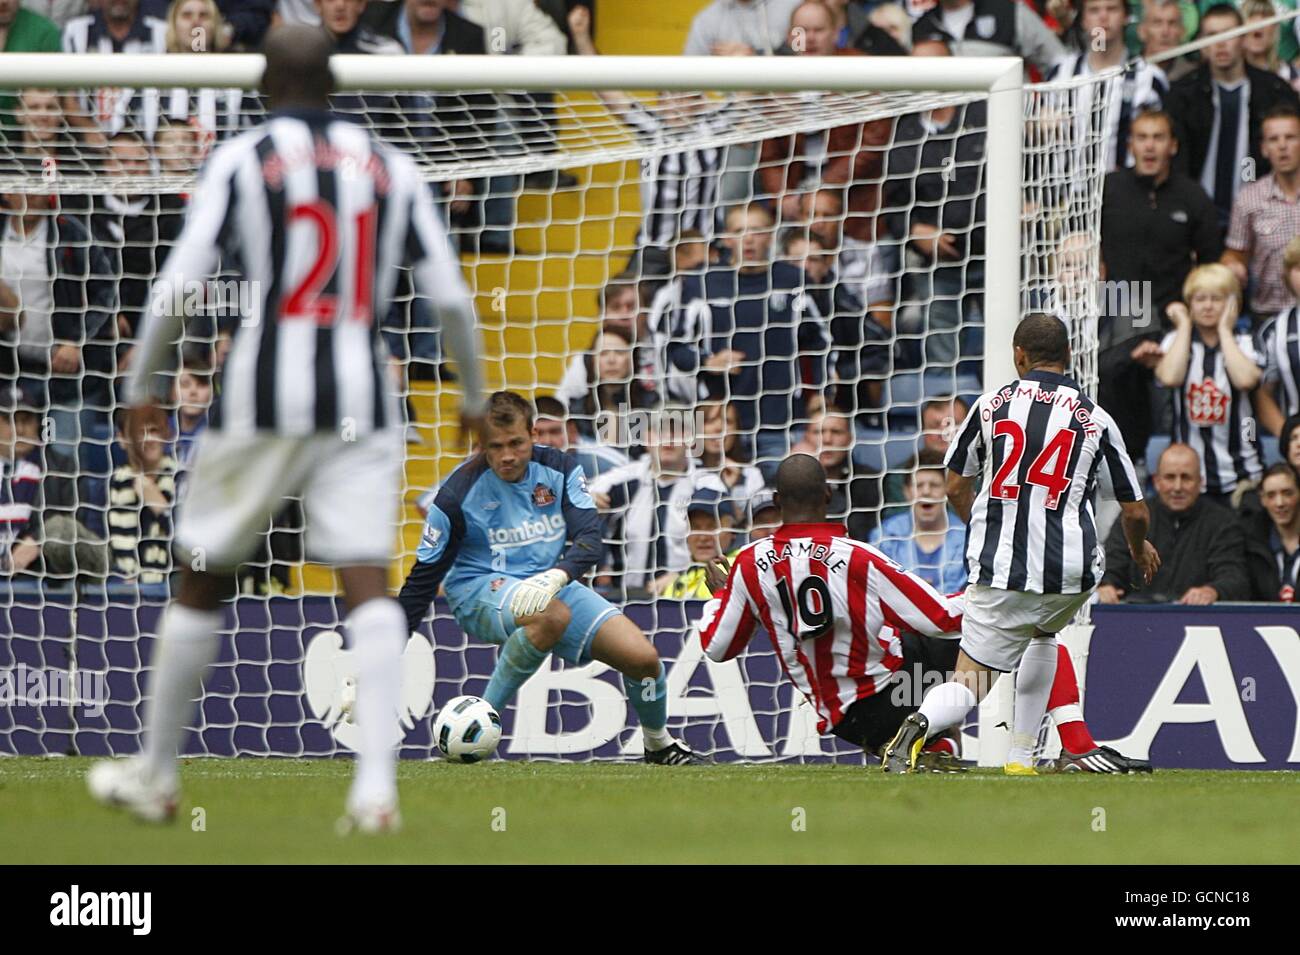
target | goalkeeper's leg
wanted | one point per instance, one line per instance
(524, 651)
(621, 644)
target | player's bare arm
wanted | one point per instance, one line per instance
(961, 494)
(1136, 521)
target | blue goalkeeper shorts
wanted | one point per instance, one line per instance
(485, 615)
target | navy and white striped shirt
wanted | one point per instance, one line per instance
(315, 217)
(1279, 346)
(20, 483)
(215, 114)
(1141, 87)
(1216, 419)
(89, 34)
(679, 189)
(113, 108)
(1038, 444)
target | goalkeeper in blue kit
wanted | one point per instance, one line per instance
(509, 536)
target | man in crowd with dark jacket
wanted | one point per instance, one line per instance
(1156, 224)
(1202, 555)
(463, 125)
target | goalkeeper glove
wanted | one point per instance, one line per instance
(534, 594)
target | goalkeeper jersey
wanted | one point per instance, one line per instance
(480, 526)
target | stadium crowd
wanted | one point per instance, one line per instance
(817, 292)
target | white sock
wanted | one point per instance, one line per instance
(1033, 687)
(376, 635)
(946, 706)
(656, 740)
(187, 645)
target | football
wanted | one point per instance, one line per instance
(467, 730)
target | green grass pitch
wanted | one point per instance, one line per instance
(281, 810)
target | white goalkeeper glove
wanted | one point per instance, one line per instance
(534, 594)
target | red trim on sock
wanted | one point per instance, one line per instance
(944, 744)
(1065, 686)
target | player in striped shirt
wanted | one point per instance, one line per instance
(317, 217)
(857, 675)
(1034, 558)
(679, 184)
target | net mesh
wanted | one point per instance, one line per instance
(856, 225)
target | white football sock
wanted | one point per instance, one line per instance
(656, 739)
(187, 645)
(376, 634)
(1033, 687)
(946, 706)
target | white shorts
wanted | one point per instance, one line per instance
(998, 624)
(349, 489)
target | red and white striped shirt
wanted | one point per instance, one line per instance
(832, 606)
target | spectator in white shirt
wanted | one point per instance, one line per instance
(740, 28)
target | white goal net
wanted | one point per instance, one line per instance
(689, 285)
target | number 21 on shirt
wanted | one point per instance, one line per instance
(306, 300)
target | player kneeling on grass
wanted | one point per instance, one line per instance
(509, 535)
(831, 605)
(867, 698)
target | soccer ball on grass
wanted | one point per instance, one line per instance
(467, 730)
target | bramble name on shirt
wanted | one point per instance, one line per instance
(800, 548)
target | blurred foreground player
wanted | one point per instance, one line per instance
(1032, 547)
(317, 217)
(510, 535)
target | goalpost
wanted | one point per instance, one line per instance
(282, 684)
